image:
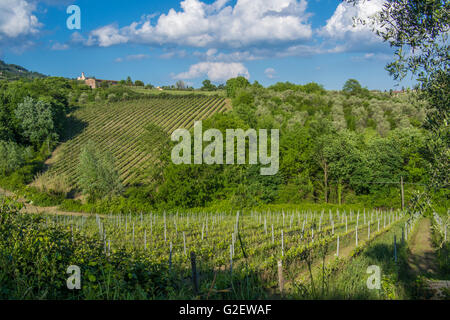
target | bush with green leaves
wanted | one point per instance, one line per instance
(12, 156)
(36, 121)
(98, 176)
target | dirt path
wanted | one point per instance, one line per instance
(422, 261)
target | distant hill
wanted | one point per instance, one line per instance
(15, 72)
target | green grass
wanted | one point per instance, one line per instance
(349, 280)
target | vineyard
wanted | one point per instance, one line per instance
(252, 255)
(119, 127)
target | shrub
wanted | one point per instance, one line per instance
(83, 98)
(98, 176)
(57, 184)
(112, 97)
(12, 156)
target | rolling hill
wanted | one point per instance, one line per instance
(119, 128)
(15, 72)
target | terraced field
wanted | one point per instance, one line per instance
(119, 127)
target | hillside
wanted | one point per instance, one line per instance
(120, 128)
(15, 72)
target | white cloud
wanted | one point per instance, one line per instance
(248, 23)
(174, 54)
(344, 26)
(60, 46)
(215, 71)
(106, 36)
(270, 73)
(17, 19)
(133, 57)
(214, 55)
(373, 57)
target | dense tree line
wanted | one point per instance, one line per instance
(338, 147)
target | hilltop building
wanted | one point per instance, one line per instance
(95, 83)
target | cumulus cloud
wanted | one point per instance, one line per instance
(17, 19)
(270, 73)
(106, 36)
(197, 24)
(215, 71)
(344, 26)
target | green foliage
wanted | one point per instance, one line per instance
(14, 72)
(419, 30)
(235, 84)
(308, 88)
(49, 96)
(12, 156)
(36, 121)
(208, 86)
(353, 87)
(35, 257)
(180, 85)
(98, 176)
(335, 147)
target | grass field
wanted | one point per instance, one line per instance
(118, 127)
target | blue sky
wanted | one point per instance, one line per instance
(160, 42)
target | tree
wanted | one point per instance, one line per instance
(257, 85)
(129, 82)
(208, 86)
(337, 112)
(139, 83)
(352, 87)
(12, 156)
(98, 176)
(418, 30)
(180, 85)
(36, 121)
(235, 84)
(344, 159)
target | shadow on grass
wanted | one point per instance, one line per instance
(72, 128)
